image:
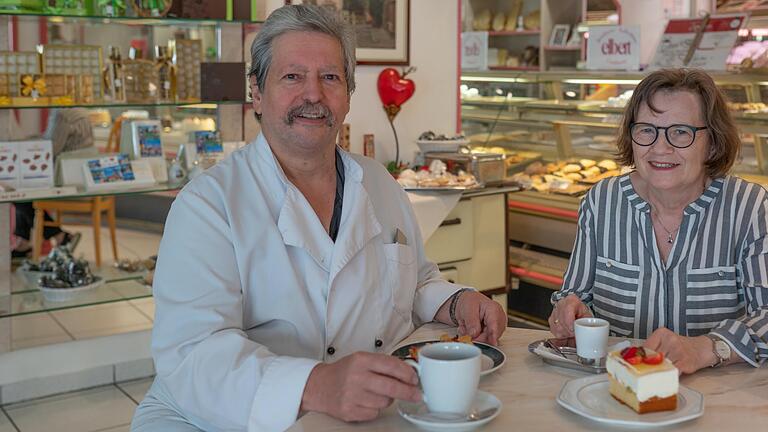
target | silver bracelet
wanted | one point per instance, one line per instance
(452, 307)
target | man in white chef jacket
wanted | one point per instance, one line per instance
(290, 270)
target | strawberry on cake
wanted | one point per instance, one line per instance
(643, 379)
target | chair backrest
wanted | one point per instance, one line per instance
(113, 143)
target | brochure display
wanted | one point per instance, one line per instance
(116, 172)
(205, 148)
(141, 139)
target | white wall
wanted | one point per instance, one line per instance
(433, 51)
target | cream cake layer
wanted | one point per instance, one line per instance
(644, 380)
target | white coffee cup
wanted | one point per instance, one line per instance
(591, 338)
(449, 373)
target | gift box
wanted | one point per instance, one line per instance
(188, 55)
(141, 81)
(84, 60)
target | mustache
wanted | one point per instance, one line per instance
(310, 109)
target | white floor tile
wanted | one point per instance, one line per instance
(36, 329)
(5, 424)
(146, 306)
(137, 389)
(102, 320)
(85, 411)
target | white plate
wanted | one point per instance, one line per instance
(413, 412)
(66, 294)
(589, 397)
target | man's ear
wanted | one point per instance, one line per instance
(255, 94)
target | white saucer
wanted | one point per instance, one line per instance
(414, 413)
(589, 397)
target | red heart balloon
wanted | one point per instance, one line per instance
(394, 89)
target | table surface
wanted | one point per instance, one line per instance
(735, 397)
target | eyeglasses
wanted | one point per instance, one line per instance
(678, 135)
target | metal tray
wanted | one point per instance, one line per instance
(569, 361)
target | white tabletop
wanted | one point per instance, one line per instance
(735, 397)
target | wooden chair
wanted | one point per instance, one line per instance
(94, 206)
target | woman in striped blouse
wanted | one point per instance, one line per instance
(675, 251)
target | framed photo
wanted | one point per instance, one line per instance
(559, 36)
(382, 28)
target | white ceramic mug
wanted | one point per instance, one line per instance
(449, 373)
(591, 338)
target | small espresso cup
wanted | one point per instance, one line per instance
(449, 373)
(591, 339)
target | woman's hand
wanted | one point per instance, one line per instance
(688, 354)
(567, 311)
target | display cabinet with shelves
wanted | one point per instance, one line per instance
(521, 32)
(551, 113)
(17, 296)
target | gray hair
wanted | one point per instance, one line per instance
(301, 18)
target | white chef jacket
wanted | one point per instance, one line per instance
(251, 292)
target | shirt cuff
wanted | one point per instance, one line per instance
(278, 396)
(431, 297)
(729, 332)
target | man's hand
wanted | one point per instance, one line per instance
(359, 385)
(689, 354)
(566, 311)
(480, 317)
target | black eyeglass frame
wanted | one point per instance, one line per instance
(666, 133)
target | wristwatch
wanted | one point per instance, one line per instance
(721, 349)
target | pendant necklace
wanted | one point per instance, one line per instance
(669, 232)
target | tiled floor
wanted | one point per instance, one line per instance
(102, 409)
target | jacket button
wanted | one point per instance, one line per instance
(379, 343)
(331, 350)
(721, 273)
(608, 264)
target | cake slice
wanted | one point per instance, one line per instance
(643, 380)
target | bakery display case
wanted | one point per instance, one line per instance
(571, 120)
(121, 68)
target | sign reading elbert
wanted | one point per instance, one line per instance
(613, 48)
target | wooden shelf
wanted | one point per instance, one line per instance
(515, 33)
(562, 48)
(514, 68)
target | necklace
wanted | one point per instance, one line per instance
(670, 233)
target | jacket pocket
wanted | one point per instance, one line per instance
(401, 277)
(712, 295)
(614, 293)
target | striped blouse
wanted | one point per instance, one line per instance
(715, 279)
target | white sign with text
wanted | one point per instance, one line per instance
(613, 48)
(474, 50)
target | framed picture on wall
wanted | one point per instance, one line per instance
(382, 28)
(559, 36)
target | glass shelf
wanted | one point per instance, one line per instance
(22, 282)
(125, 19)
(31, 302)
(182, 105)
(32, 195)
